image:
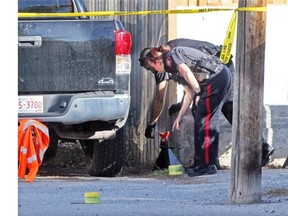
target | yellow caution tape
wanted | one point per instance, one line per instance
(252, 9)
(122, 13)
(228, 42)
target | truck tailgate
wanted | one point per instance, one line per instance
(66, 56)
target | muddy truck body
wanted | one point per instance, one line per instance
(74, 77)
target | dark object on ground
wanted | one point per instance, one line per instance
(285, 163)
(166, 156)
(267, 151)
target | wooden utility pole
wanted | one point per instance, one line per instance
(245, 181)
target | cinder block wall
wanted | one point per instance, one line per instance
(275, 131)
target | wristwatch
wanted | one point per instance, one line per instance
(198, 93)
(150, 124)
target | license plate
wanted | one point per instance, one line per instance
(30, 104)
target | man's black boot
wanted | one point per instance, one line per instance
(202, 170)
(217, 164)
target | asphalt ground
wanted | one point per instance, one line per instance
(152, 193)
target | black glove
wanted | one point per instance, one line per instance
(174, 108)
(150, 131)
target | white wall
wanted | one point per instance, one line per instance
(212, 27)
(276, 56)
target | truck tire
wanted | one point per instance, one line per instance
(106, 158)
(53, 145)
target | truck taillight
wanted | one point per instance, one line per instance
(123, 42)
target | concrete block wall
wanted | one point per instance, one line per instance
(275, 131)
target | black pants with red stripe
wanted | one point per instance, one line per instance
(227, 107)
(206, 124)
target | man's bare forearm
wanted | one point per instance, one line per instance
(157, 108)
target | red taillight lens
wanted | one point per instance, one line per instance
(123, 42)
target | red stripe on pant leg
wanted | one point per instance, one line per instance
(207, 125)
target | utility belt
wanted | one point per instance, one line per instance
(211, 68)
(205, 70)
(216, 52)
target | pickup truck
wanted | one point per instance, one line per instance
(74, 77)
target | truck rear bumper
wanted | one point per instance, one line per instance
(80, 108)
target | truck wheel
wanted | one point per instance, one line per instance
(105, 158)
